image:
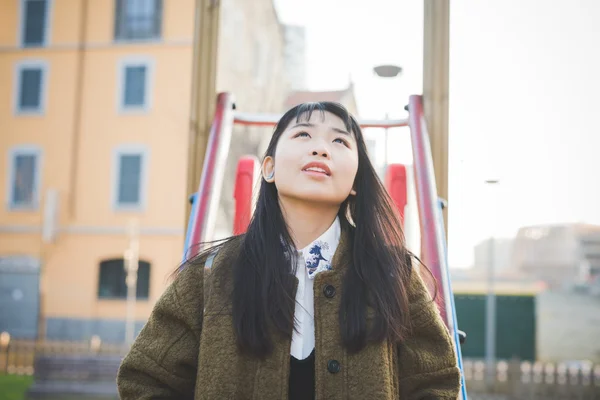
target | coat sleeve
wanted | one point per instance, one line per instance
(162, 362)
(427, 363)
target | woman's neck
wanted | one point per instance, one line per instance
(306, 222)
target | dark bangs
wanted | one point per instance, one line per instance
(304, 112)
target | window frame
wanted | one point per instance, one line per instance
(47, 24)
(118, 152)
(12, 156)
(123, 298)
(135, 61)
(19, 67)
(117, 28)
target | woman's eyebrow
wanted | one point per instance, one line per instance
(343, 132)
(305, 124)
(309, 125)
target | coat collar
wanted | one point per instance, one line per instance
(318, 256)
(341, 258)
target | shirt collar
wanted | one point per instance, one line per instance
(319, 254)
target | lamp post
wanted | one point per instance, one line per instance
(387, 71)
(4, 342)
(131, 264)
(490, 304)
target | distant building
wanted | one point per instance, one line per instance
(562, 255)
(497, 251)
(295, 56)
(346, 97)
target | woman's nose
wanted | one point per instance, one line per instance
(323, 153)
(320, 149)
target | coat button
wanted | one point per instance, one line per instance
(329, 291)
(333, 366)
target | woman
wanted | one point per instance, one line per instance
(319, 299)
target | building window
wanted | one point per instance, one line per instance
(30, 87)
(134, 85)
(34, 22)
(24, 177)
(138, 19)
(112, 285)
(129, 184)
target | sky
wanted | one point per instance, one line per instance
(524, 100)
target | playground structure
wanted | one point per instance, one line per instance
(429, 205)
(210, 138)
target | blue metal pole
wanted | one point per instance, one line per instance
(453, 308)
(190, 226)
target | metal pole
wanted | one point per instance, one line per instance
(131, 259)
(490, 318)
(385, 156)
(490, 304)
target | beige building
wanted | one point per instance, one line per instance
(94, 130)
(563, 255)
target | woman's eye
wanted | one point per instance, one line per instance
(342, 141)
(302, 134)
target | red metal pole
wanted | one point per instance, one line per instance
(218, 137)
(243, 193)
(395, 183)
(432, 236)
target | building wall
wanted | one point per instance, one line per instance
(252, 44)
(252, 47)
(568, 326)
(81, 128)
(562, 255)
(295, 56)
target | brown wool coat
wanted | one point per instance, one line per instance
(181, 354)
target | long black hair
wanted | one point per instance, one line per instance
(379, 265)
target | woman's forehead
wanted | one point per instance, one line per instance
(318, 117)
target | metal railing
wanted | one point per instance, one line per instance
(433, 241)
(205, 201)
(253, 119)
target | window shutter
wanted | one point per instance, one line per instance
(31, 85)
(112, 283)
(135, 86)
(143, 282)
(34, 28)
(138, 19)
(119, 20)
(24, 179)
(158, 13)
(129, 179)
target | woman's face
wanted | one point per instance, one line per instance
(316, 160)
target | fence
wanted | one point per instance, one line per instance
(513, 380)
(517, 380)
(18, 356)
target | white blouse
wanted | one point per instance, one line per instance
(312, 259)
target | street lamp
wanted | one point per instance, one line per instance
(131, 265)
(387, 71)
(490, 304)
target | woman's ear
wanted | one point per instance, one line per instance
(268, 169)
(353, 192)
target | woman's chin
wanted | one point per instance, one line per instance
(315, 196)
